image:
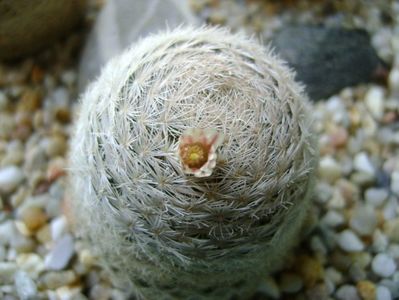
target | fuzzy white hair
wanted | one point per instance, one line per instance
(169, 235)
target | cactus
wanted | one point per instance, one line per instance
(192, 165)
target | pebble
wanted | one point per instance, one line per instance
(30, 263)
(10, 178)
(380, 241)
(363, 164)
(26, 288)
(393, 81)
(329, 169)
(366, 290)
(54, 280)
(349, 241)
(383, 265)
(310, 269)
(374, 100)
(7, 271)
(61, 254)
(332, 219)
(347, 292)
(375, 196)
(363, 220)
(395, 182)
(58, 227)
(34, 218)
(393, 251)
(269, 287)
(383, 293)
(290, 283)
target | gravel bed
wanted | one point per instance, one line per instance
(352, 251)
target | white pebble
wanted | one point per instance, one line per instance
(394, 81)
(349, 241)
(380, 241)
(363, 164)
(26, 288)
(395, 182)
(383, 265)
(58, 227)
(363, 220)
(329, 169)
(61, 254)
(383, 293)
(375, 196)
(31, 263)
(347, 292)
(375, 102)
(7, 271)
(10, 178)
(332, 218)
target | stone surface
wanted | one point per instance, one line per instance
(347, 292)
(324, 58)
(383, 293)
(26, 288)
(10, 177)
(60, 254)
(383, 265)
(26, 27)
(349, 241)
(363, 220)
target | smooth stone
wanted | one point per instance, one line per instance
(363, 220)
(383, 293)
(10, 178)
(58, 227)
(290, 283)
(61, 254)
(383, 265)
(332, 219)
(329, 169)
(269, 288)
(374, 100)
(54, 280)
(375, 196)
(392, 286)
(380, 241)
(31, 263)
(366, 289)
(362, 163)
(7, 271)
(395, 182)
(393, 251)
(26, 288)
(393, 81)
(347, 292)
(349, 241)
(390, 209)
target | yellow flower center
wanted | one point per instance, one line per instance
(194, 155)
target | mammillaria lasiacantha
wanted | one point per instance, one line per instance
(207, 224)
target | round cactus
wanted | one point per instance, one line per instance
(192, 165)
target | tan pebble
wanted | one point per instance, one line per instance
(391, 229)
(37, 74)
(54, 280)
(339, 137)
(38, 119)
(56, 146)
(86, 258)
(310, 269)
(34, 218)
(43, 235)
(30, 101)
(22, 228)
(62, 115)
(348, 190)
(366, 289)
(55, 169)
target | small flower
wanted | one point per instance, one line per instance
(197, 150)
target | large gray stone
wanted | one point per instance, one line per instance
(121, 22)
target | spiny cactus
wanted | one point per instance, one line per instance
(159, 229)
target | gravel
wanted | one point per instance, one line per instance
(353, 248)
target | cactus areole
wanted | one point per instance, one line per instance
(192, 164)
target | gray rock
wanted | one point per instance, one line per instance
(347, 292)
(61, 254)
(122, 22)
(383, 265)
(26, 288)
(349, 241)
(375, 196)
(328, 59)
(383, 293)
(363, 220)
(10, 177)
(7, 271)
